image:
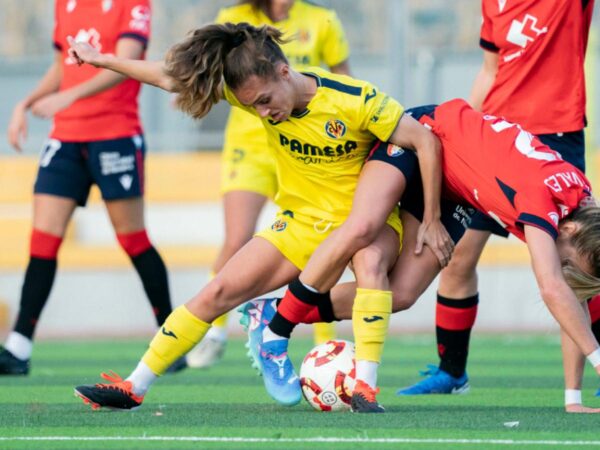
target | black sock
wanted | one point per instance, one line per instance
(454, 321)
(153, 273)
(39, 278)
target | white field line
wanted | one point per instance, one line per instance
(332, 440)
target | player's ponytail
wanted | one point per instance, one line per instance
(587, 243)
(220, 53)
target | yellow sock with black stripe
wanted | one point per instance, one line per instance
(370, 319)
(323, 332)
(178, 335)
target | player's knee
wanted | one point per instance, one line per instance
(402, 299)
(360, 232)
(370, 265)
(461, 269)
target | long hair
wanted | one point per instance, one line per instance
(587, 243)
(220, 53)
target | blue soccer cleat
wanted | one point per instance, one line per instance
(437, 382)
(256, 315)
(598, 393)
(280, 379)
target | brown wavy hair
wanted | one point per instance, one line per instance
(587, 243)
(220, 53)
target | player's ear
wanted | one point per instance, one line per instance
(284, 71)
(568, 228)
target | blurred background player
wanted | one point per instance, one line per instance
(248, 174)
(96, 138)
(532, 74)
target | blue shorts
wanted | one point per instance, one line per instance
(571, 147)
(455, 216)
(69, 169)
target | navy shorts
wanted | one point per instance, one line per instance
(571, 147)
(455, 216)
(69, 169)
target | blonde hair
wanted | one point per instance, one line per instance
(586, 241)
(220, 53)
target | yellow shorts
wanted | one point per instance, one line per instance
(248, 167)
(297, 236)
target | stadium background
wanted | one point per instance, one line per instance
(420, 52)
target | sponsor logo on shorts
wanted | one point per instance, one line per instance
(394, 151)
(113, 162)
(335, 128)
(126, 181)
(279, 225)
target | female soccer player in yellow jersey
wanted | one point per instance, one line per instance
(322, 126)
(248, 175)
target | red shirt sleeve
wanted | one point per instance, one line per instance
(486, 36)
(540, 211)
(135, 20)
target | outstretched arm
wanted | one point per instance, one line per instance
(148, 72)
(556, 293)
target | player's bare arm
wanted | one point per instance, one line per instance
(409, 133)
(484, 79)
(148, 72)
(50, 82)
(558, 296)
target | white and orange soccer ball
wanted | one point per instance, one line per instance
(327, 376)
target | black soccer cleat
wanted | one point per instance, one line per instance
(11, 365)
(118, 394)
(363, 399)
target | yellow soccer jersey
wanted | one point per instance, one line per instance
(317, 38)
(320, 151)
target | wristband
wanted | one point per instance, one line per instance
(594, 358)
(572, 397)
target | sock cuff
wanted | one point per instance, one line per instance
(462, 303)
(305, 295)
(44, 245)
(134, 243)
(373, 301)
(187, 324)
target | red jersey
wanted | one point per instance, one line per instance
(505, 171)
(541, 48)
(112, 113)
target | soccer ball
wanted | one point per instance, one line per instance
(327, 376)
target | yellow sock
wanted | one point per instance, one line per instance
(323, 332)
(370, 319)
(178, 335)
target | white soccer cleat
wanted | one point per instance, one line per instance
(207, 353)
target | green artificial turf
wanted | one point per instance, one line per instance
(513, 380)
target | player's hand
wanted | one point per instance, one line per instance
(48, 106)
(436, 237)
(578, 408)
(17, 127)
(83, 52)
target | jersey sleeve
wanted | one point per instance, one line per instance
(540, 211)
(135, 20)
(335, 48)
(486, 36)
(379, 113)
